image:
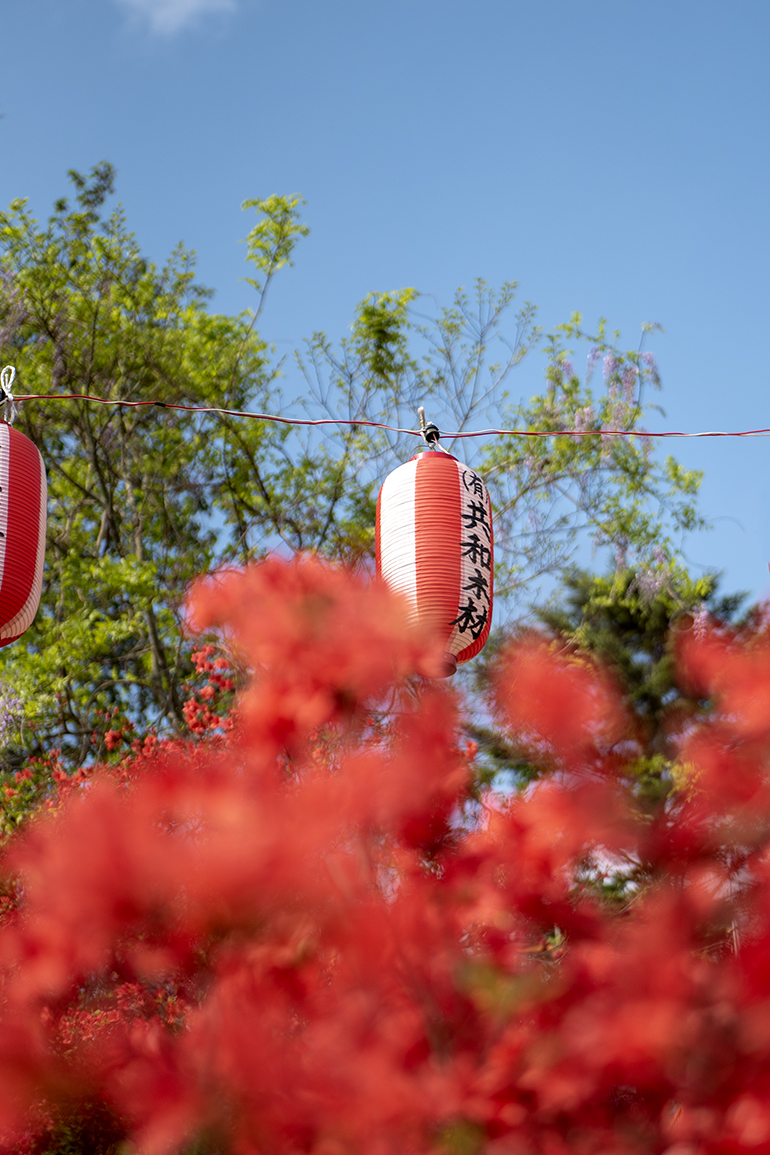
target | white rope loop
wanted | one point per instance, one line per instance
(7, 378)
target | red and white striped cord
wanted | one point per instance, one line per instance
(7, 380)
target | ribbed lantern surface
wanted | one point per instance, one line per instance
(434, 546)
(23, 499)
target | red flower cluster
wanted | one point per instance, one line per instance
(309, 937)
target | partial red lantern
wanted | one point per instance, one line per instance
(23, 501)
(435, 547)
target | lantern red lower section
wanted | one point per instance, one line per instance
(23, 499)
(435, 548)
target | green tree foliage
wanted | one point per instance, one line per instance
(137, 496)
(548, 492)
(143, 499)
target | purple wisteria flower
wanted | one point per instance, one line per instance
(15, 316)
(11, 713)
(629, 382)
(585, 417)
(653, 578)
(650, 369)
(611, 365)
(700, 620)
(592, 361)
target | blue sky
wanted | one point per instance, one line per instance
(612, 157)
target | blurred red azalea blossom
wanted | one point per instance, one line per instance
(303, 931)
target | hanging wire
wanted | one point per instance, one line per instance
(606, 433)
(8, 374)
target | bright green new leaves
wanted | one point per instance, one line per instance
(273, 238)
(139, 503)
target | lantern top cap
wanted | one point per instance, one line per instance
(438, 456)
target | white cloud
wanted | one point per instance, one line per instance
(168, 16)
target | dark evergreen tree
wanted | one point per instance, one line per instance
(629, 621)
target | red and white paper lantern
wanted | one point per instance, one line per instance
(23, 500)
(435, 547)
